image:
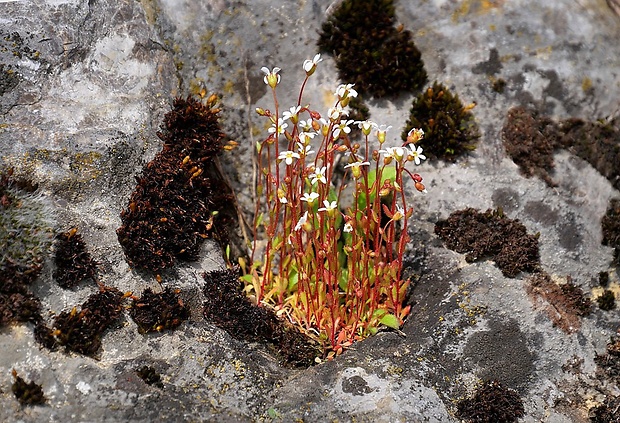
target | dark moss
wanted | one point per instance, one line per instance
(608, 412)
(529, 140)
(370, 52)
(158, 311)
(607, 300)
(603, 279)
(72, 259)
(27, 393)
(609, 363)
(491, 235)
(499, 85)
(150, 376)
(449, 128)
(179, 192)
(229, 308)
(610, 224)
(81, 330)
(491, 403)
(575, 298)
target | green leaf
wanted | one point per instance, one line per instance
(247, 278)
(390, 321)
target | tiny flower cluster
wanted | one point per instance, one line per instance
(333, 264)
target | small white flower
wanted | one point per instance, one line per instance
(416, 154)
(288, 156)
(345, 91)
(396, 153)
(319, 175)
(356, 168)
(381, 131)
(343, 126)
(415, 135)
(365, 126)
(334, 113)
(304, 150)
(292, 114)
(310, 65)
(302, 221)
(305, 125)
(283, 200)
(271, 78)
(279, 127)
(306, 137)
(348, 227)
(328, 206)
(309, 198)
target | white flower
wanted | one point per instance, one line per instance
(381, 131)
(304, 150)
(396, 153)
(343, 126)
(348, 227)
(416, 154)
(288, 156)
(355, 168)
(328, 206)
(302, 221)
(305, 125)
(306, 137)
(309, 198)
(310, 65)
(271, 78)
(319, 175)
(345, 91)
(279, 127)
(292, 114)
(365, 125)
(334, 113)
(283, 200)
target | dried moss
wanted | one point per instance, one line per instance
(154, 312)
(610, 225)
(491, 403)
(27, 393)
(150, 376)
(491, 235)
(609, 363)
(74, 263)
(607, 300)
(608, 412)
(370, 52)
(229, 308)
(449, 127)
(171, 211)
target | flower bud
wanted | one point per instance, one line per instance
(260, 111)
(420, 187)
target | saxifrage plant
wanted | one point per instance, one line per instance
(333, 256)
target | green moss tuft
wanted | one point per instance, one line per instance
(370, 52)
(449, 127)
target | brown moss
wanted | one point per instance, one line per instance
(608, 412)
(27, 393)
(370, 52)
(607, 300)
(81, 330)
(179, 192)
(154, 312)
(529, 140)
(229, 308)
(610, 225)
(72, 259)
(449, 127)
(491, 403)
(491, 235)
(564, 304)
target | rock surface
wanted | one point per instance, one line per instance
(83, 89)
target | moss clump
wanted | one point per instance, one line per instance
(610, 224)
(72, 259)
(154, 312)
(449, 127)
(150, 376)
(173, 208)
(370, 52)
(607, 300)
(27, 393)
(491, 235)
(491, 403)
(81, 330)
(230, 309)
